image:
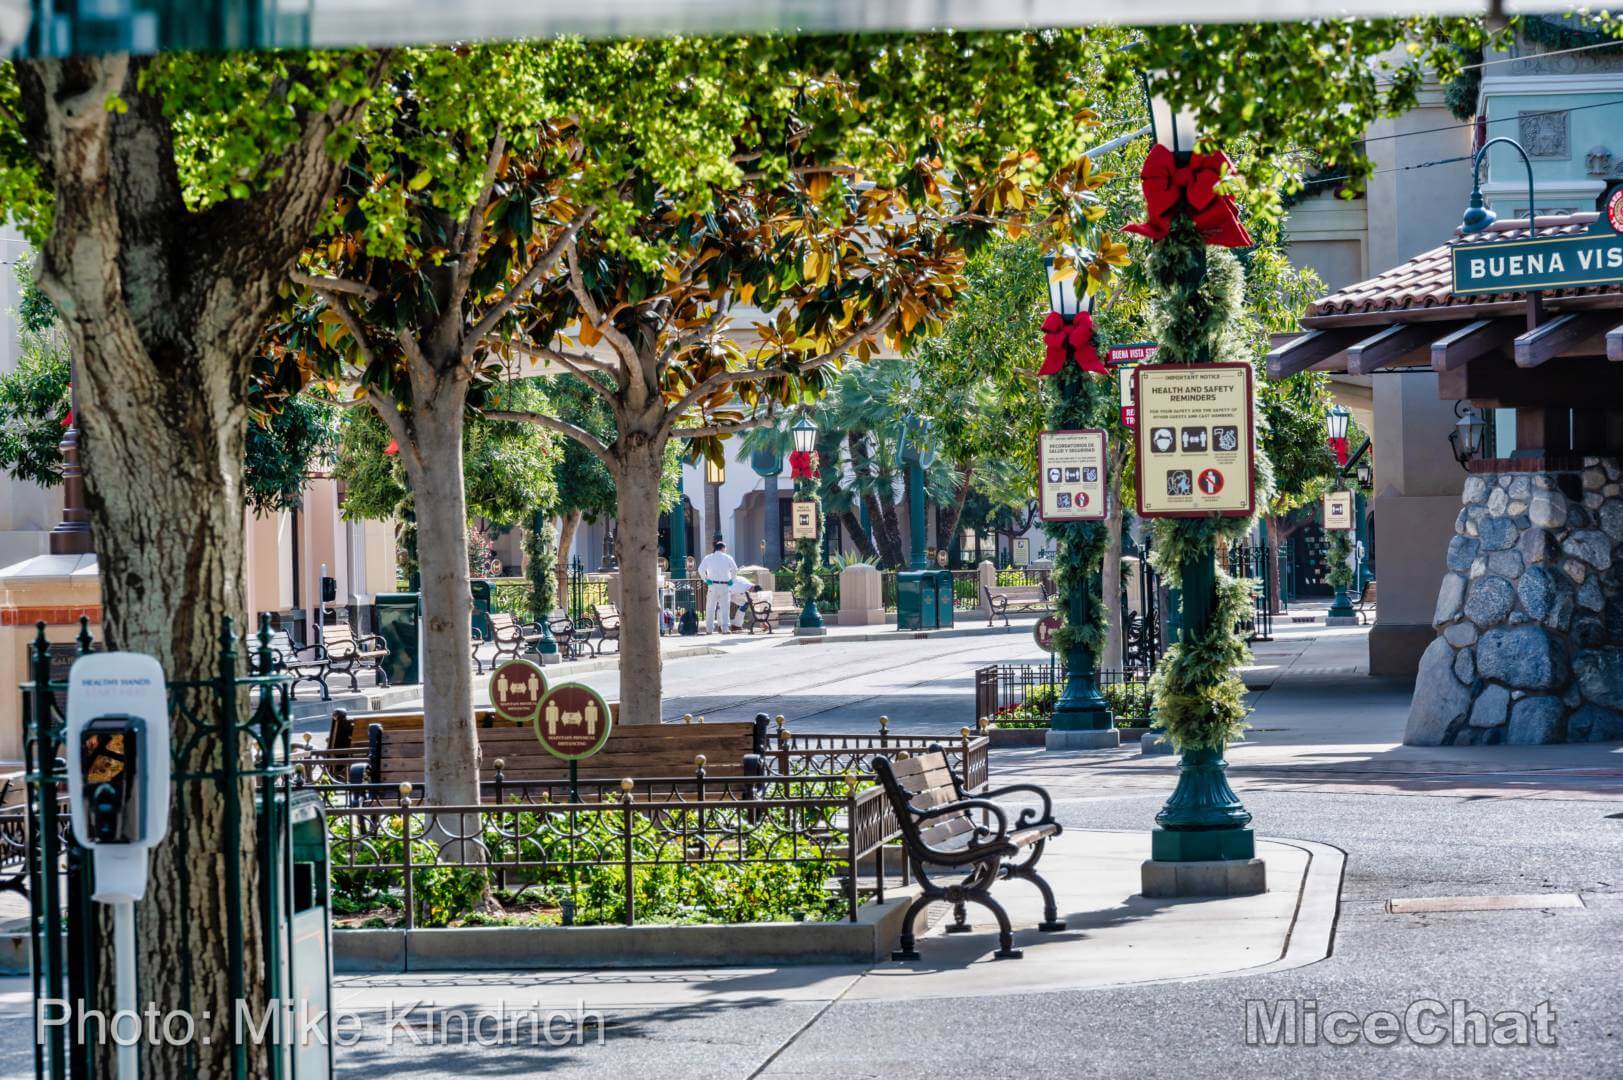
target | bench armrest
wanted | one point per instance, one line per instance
(372, 641)
(1028, 815)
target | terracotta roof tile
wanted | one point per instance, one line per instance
(1427, 280)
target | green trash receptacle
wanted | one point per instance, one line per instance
(480, 587)
(944, 598)
(308, 941)
(399, 616)
(916, 604)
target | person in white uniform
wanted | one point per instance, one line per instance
(739, 593)
(717, 570)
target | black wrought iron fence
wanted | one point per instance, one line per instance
(609, 858)
(1001, 689)
(1254, 564)
(222, 755)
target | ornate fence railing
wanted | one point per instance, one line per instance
(608, 858)
(1253, 563)
(1000, 688)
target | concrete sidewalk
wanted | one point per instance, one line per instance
(1114, 938)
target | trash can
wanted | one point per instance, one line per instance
(399, 616)
(916, 603)
(944, 598)
(480, 587)
(309, 937)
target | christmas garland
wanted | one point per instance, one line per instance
(540, 566)
(808, 587)
(1080, 544)
(1339, 551)
(1200, 700)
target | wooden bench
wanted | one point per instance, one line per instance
(936, 818)
(393, 749)
(1365, 602)
(605, 626)
(348, 653)
(305, 663)
(1000, 600)
(510, 637)
(767, 608)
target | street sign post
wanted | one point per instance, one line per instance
(1071, 475)
(1195, 440)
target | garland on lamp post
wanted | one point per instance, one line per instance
(1200, 699)
(803, 471)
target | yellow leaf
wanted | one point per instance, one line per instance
(420, 181)
(746, 293)
(817, 186)
(588, 334)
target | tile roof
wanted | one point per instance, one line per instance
(1426, 281)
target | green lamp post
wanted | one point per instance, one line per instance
(804, 434)
(918, 459)
(1336, 424)
(1200, 699)
(1081, 718)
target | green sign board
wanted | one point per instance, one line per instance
(1592, 257)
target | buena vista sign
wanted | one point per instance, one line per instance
(1592, 257)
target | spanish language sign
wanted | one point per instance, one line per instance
(1194, 440)
(1568, 260)
(1338, 510)
(516, 690)
(1071, 475)
(573, 721)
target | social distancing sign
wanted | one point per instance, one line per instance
(1194, 440)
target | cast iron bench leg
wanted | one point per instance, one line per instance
(907, 951)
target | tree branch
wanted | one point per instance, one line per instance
(730, 428)
(388, 411)
(631, 363)
(353, 325)
(471, 233)
(333, 285)
(711, 385)
(538, 269)
(552, 423)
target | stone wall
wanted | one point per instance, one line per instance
(1529, 615)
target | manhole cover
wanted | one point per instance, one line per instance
(1522, 902)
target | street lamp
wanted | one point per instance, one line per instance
(1336, 422)
(805, 435)
(804, 475)
(715, 472)
(1081, 715)
(1466, 438)
(1175, 130)
(1478, 217)
(1365, 474)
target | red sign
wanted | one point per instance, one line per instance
(1129, 402)
(1044, 631)
(1614, 210)
(573, 722)
(516, 690)
(1134, 352)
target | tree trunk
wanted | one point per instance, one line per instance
(946, 521)
(1275, 590)
(639, 461)
(567, 526)
(163, 309)
(852, 525)
(434, 462)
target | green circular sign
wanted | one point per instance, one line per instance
(573, 721)
(516, 690)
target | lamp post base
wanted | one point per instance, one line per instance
(811, 631)
(1084, 739)
(1225, 877)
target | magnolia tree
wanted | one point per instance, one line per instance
(840, 225)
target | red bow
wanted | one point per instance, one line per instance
(1340, 448)
(1195, 186)
(392, 449)
(67, 421)
(802, 464)
(1078, 336)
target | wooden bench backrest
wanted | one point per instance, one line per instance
(781, 601)
(928, 777)
(1019, 592)
(651, 750)
(605, 612)
(339, 638)
(1369, 593)
(501, 621)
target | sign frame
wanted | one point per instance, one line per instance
(1604, 238)
(796, 509)
(1342, 498)
(604, 711)
(1020, 551)
(1249, 439)
(1043, 631)
(1102, 500)
(507, 666)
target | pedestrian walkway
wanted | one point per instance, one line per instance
(1114, 937)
